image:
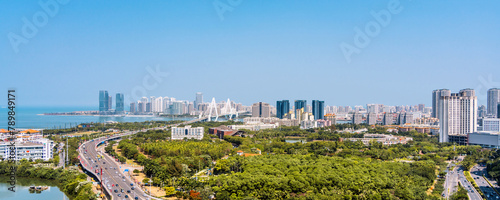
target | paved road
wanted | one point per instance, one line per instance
(113, 178)
(61, 155)
(111, 172)
(451, 181)
(477, 173)
(471, 191)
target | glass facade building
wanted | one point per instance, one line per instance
(120, 104)
(282, 108)
(318, 109)
(103, 101)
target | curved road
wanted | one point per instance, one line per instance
(118, 185)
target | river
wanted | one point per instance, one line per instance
(23, 193)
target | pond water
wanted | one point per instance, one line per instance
(22, 190)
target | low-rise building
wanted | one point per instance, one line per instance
(33, 149)
(188, 132)
(487, 139)
(253, 127)
(382, 138)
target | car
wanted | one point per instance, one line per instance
(126, 196)
(131, 184)
(123, 180)
(116, 185)
(132, 188)
(136, 198)
(123, 176)
(128, 191)
(116, 191)
(121, 190)
(119, 195)
(103, 162)
(116, 172)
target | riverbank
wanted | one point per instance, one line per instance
(22, 189)
(71, 182)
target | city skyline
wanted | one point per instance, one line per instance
(195, 52)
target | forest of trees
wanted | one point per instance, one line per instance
(321, 177)
(321, 168)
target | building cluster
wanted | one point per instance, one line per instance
(463, 121)
(172, 106)
(28, 144)
(382, 138)
(106, 103)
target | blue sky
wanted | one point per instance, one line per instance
(260, 51)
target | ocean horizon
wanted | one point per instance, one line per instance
(31, 117)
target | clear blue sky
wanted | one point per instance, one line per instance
(261, 51)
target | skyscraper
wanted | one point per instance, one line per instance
(132, 108)
(318, 109)
(300, 104)
(110, 102)
(457, 114)
(103, 101)
(493, 100)
(120, 104)
(371, 118)
(141, 107)
(498, 111)
(387, 119)
(199, 100)
(436, 95)
(261, 109)
(282, 108)
(357, 118)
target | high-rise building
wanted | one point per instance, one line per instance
(387, 119)
(132, 108)
(371, 118)
(493, 100)
(110, 102)
(299, 104)
(199, 99)
(282, 108)
(120, 104)
(482, 111)
(457, 114)
(372, 108)
(103, 101)
(148, 107)
(405, 118)
(421, 107)
(357, 118)
(498, 111)
(141, 107)
(261, 109)
(436, 95)
(318, 109)
(177, 108)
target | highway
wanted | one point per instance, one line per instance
(477, 173)
(118, 185)
(471, 191)
(451, 181)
